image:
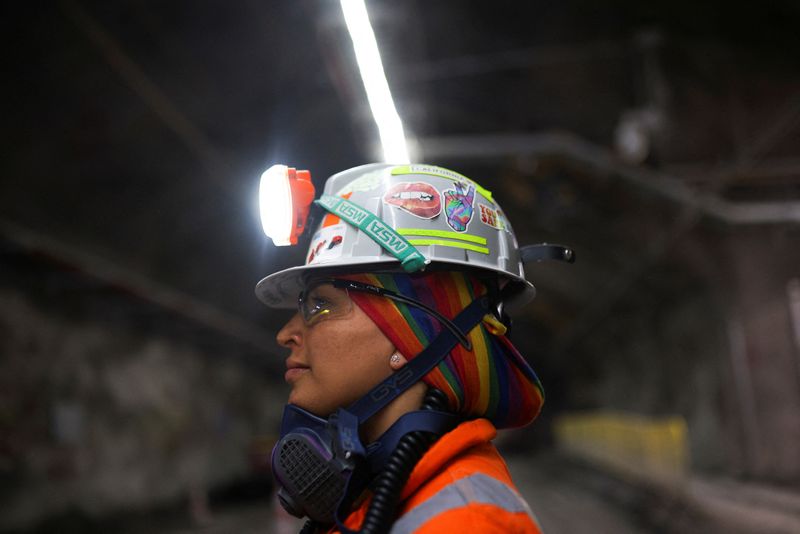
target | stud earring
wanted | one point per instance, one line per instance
(397, 361)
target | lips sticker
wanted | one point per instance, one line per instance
(417, 198)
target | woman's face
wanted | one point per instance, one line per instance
(337, 352)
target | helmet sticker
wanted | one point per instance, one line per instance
(331, 219)
(490, 217)
(452, 244)
(362, 184)
(326, 245)
(417, 198)
(458, 206)
(504, 224)
(422, 237)
(337, 240)
(441, 172)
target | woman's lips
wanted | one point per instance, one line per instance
(294, 371)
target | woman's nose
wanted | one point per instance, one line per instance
(292, 332)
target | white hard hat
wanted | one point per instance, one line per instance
(450, 219)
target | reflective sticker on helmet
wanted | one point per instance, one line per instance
(458, 206)
(442, 233)
(504, 224)
(362, 184)
(445, 243)
(330, 219)
(441, 172)
(417, 198)
(490, 217)
(326, 245)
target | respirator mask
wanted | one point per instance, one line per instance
(314, 462)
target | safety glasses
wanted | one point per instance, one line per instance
(329, 299)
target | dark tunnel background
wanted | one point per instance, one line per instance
(140, 385)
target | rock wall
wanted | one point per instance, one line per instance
(102, 410)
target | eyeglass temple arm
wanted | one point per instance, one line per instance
(351, 284)
(462, 338)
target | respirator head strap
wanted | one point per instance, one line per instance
(343, 427)
(432, 421)
(385, 392)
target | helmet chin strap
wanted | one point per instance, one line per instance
(398, 246)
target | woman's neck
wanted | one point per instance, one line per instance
(408, 401)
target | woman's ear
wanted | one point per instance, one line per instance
(397, 361)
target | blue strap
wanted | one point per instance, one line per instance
(421, 365)
(385, 392)
(345, 438)
(421, 420)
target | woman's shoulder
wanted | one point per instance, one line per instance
(464, 481)
(467, 496)
(458, 453)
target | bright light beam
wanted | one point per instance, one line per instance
(390, 127)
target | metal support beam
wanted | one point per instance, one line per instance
(598, 160)
(151, 94)
(166, 297)
(516, 59)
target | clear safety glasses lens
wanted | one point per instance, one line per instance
(322, 300)
(327, 299)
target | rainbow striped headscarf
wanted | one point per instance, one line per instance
(492, 381)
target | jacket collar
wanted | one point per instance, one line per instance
(463, 437)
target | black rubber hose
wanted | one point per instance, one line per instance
(389, 484)
(310, 527)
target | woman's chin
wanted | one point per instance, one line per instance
(302, 401)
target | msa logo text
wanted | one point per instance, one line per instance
(349, 211)
(386, 236)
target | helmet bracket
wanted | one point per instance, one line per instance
(545, 251)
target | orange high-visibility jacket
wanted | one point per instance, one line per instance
(460, 485)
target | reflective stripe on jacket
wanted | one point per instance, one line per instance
(460, 485)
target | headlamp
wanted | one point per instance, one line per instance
(285, 195)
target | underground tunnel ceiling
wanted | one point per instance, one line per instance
(135, 132)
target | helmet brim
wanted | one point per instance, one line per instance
(281, 289)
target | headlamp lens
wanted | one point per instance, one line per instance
(284, 197)
(275, 204)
